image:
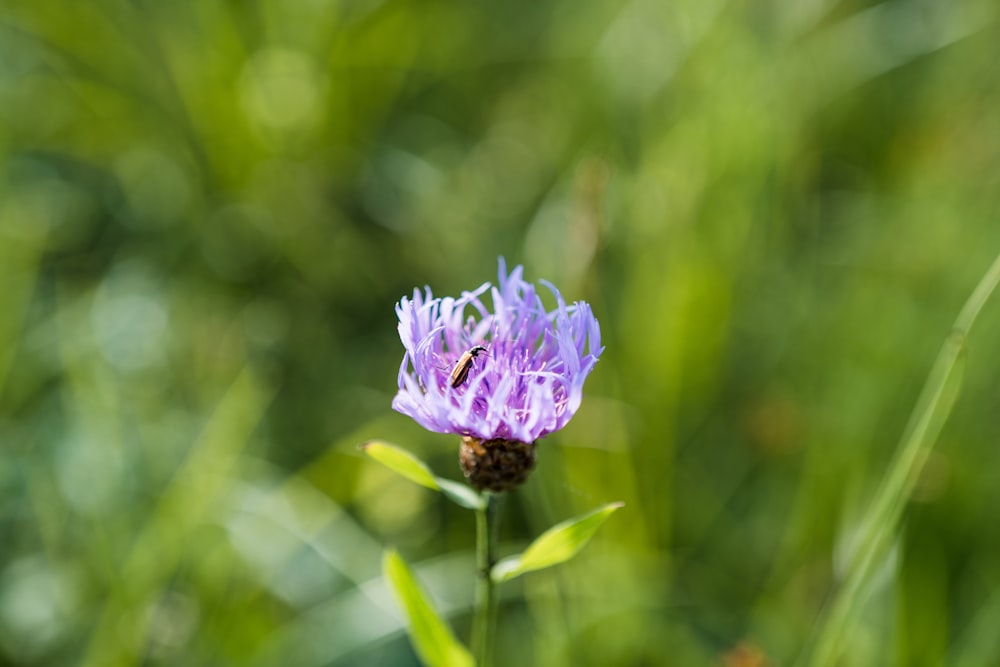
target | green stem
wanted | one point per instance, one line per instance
(487, 540)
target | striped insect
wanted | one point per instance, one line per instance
(460, 373)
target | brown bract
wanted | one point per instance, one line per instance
(496, 465)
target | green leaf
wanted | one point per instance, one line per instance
(556, 545)
(401, 461)
(432, 638)
(461, 494)
(409, 466)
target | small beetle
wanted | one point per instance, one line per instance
(460, 373)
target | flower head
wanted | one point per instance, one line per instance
(525, 383)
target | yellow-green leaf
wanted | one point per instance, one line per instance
(556, 545)
(409, 466)
(460, 494)
(432, 638)
(402, 462)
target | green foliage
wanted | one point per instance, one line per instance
(556, 545)
(777, 210)
(402, 462)
(432, 639)
(406, 464)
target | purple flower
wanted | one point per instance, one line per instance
(527, 384)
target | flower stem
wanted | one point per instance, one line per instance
(487, 539)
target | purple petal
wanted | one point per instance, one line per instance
(527, 384)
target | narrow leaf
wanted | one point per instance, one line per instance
(556, 545)
(460, 494)
(409, 466)
(432, 638)
(402, 462)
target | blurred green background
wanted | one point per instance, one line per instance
(208, 210)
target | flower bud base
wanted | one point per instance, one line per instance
(496, 465)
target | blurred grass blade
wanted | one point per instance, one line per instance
(431, 636)
(409, 466)
(979, 642)
(929, 415)
(22, 242)
(198, 485)
(556, 545)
